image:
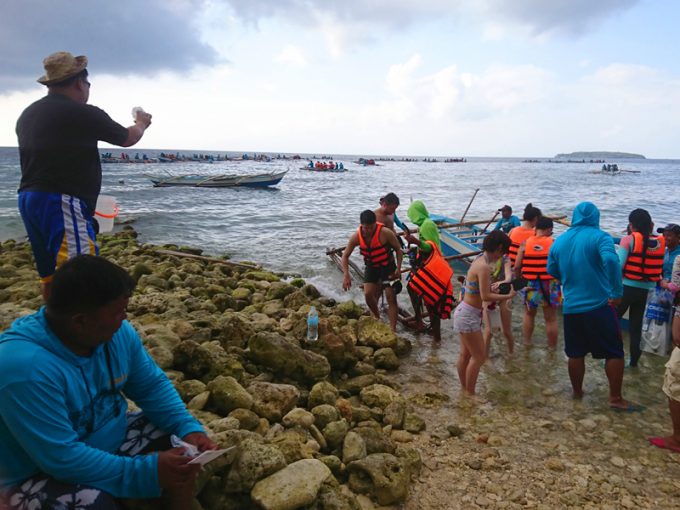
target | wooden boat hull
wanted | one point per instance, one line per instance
(221, 181)
(458, 240)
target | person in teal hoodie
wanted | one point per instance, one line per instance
(65, 373)
(585, 261)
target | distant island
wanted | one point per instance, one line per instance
(600, 155)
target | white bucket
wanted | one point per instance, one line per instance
(105, 212)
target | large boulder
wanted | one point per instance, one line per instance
(322, 393)
(205, 361)
(295, 486)
(255, 461)
(226, 394)
(381, 475)
(375, 333)
(287, 358)
(272, 401)
(379, 395)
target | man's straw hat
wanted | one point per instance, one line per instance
(61, 66)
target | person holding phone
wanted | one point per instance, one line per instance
(467, 319)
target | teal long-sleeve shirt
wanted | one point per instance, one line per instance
(58, 413)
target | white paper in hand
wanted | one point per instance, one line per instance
(209, 456)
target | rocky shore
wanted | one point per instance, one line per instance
(358, 419)
(315, 424)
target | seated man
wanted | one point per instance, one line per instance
(376, 243)
(64, 431)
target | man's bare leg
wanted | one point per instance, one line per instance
(392, 310)
(506, 325)
(577, 370)
(674, 408)
(614, 369)
(528, 324)
(372, 298)
(435, 322)
(551, 329)
(45, 288)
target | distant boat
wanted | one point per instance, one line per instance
(331, 170)
(366, 162)
(220, 181)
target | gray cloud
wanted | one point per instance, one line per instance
(572, 17)
(540, 16)
(122, 37)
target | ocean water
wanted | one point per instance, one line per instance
(289, 227)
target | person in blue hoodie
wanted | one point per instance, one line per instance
(585, 261)
(65, 373)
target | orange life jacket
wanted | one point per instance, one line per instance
(535, 261)
(432, 281)
(374, 253)
(517, 236)
(651, 268)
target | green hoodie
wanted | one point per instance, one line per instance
(428, 231)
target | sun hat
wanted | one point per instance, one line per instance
(61, 66)
(671, 226)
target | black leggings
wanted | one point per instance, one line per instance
(635, 299)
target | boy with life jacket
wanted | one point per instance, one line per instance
(543, 289)
(377, 245)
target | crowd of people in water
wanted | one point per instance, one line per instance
(583, 272)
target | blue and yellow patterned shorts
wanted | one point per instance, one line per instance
(543, 293)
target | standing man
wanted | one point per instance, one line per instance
(508, 220)
(585, 261)
(376, 244)
(671, 233)
(66, 373)
(61, 171)
(386, 213)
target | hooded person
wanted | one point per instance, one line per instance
(585, 261)
(430, 280)
(427, 229)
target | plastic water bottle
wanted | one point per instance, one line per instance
(136, 110)
(312, 325)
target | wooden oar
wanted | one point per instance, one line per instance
(453, 257)
(470, 223)
(469, 204)
(490, 221)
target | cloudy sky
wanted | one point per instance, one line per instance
(417, 77)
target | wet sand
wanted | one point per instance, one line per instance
(530, 445)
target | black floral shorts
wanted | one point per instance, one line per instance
(42, 492)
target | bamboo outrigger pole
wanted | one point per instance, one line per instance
(469, 204)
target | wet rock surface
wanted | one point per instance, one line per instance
(411, 440)
(232, 341)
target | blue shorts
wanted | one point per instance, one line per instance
(58, 226)
(596, 332)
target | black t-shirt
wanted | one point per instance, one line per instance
(58, 146)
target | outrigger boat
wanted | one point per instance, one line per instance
(322, 170)
(220, 181)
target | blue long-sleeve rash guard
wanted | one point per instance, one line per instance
(59, 416)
